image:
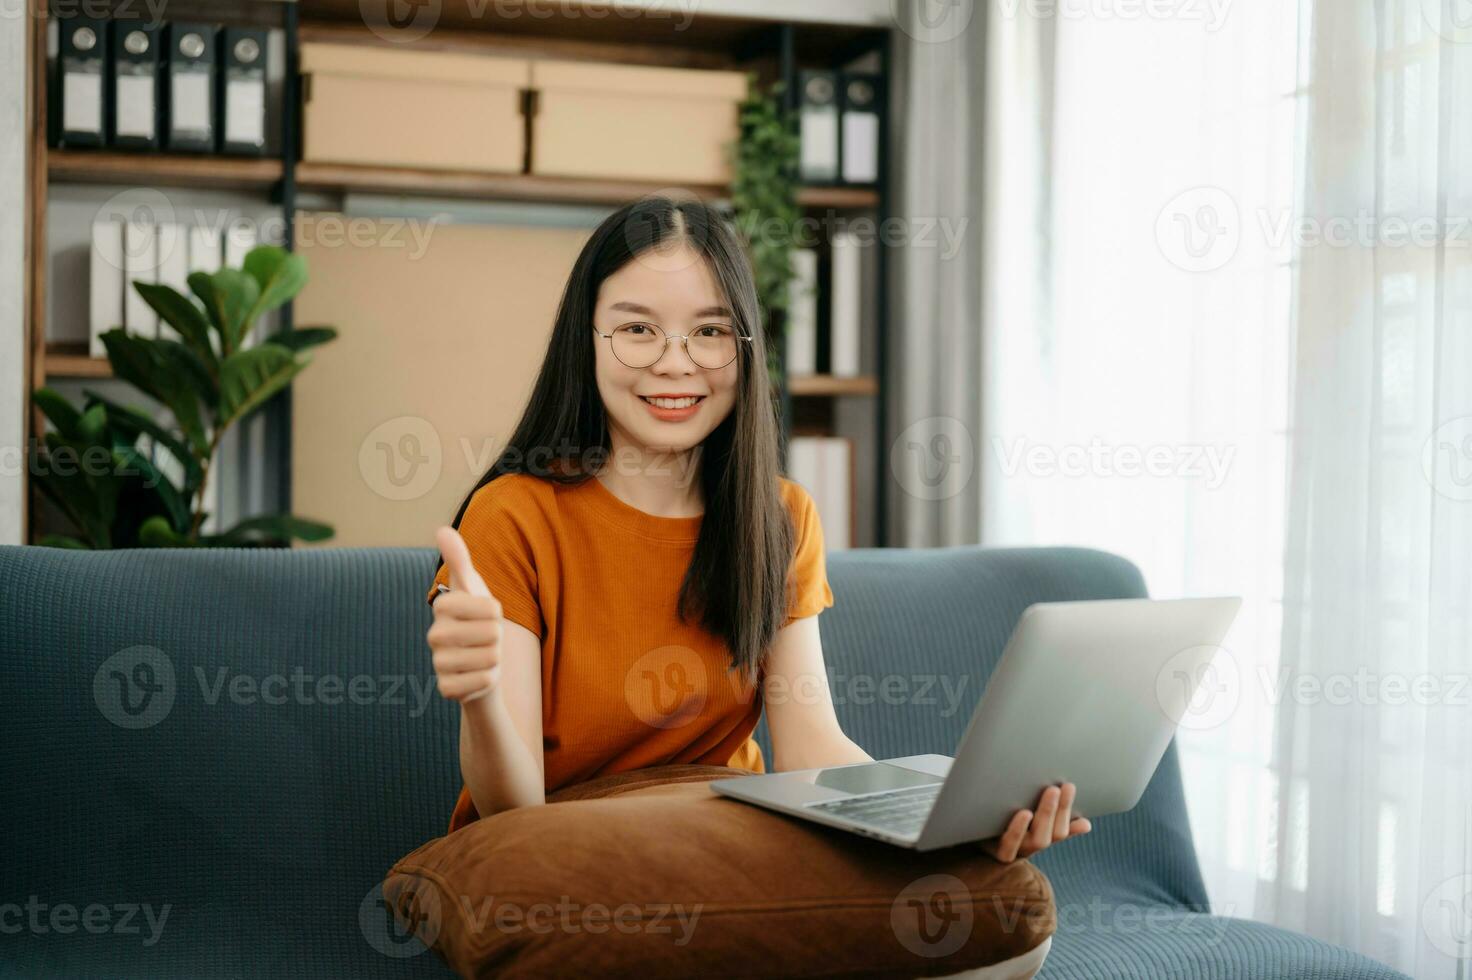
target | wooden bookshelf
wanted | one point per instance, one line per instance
(528, 188)
(73, 361)
(824, 385)
(171, 169)
(838, 197)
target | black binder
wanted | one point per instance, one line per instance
(80, 95)
(818, 125)
(136, 58)
(242, 91)
(193, 125)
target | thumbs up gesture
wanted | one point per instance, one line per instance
(465, 637)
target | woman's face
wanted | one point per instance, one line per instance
(674, 403)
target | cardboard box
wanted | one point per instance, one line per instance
(436, 110)
(634, 123)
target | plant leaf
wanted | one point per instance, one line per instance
(278, 527)
(228, 296)
(249, 377)
(156, 533)
(153, 480)
(132, 422)
(141, 363)
(180, 312)
(304, 337)
(60, 412)
(62, 541)
(279, 274)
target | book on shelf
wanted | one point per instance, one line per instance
(824, 467)
(140, 264)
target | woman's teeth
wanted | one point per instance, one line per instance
(671, 402)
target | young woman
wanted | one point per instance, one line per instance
(632, 581)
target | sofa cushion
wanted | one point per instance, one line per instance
(652, 874)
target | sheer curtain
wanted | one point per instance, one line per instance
(1227, 333)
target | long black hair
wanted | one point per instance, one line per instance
(736, 584)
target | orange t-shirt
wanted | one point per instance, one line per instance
(626, 684)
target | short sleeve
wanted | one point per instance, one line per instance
(809, 592)
(498, 528)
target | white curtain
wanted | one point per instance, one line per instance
(1207, 345)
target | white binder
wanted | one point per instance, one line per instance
(802, 315)
(846, 314)
(105, 282)
(140, 264)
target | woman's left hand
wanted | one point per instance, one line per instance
(1030, 832)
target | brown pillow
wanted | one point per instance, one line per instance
(651, 874)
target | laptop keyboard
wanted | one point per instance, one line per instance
(899, 811)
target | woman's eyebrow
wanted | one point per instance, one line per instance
(627, 307)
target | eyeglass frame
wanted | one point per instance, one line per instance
(684, 338)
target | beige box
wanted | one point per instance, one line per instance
(634, 123)
(435, 110)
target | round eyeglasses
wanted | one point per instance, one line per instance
(641, 345)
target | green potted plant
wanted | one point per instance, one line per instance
(93, 464)
(764, 199)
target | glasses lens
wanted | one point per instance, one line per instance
(638, 344)
(713, 346)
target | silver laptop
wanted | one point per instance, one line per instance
(1086, 692)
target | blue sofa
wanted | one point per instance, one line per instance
(185, 796)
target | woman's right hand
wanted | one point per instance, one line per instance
(465, 637)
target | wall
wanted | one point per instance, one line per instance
(13, 293)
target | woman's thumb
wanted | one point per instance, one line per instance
(463, 576)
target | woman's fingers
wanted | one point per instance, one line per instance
(1064, 818)
(1041, 833)
(1006, 846)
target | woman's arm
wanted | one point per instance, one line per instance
(501, 757)
(805, 731)
(493, 669)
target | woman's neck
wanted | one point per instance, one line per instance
(665, 484)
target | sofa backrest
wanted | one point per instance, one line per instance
(246, 740)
